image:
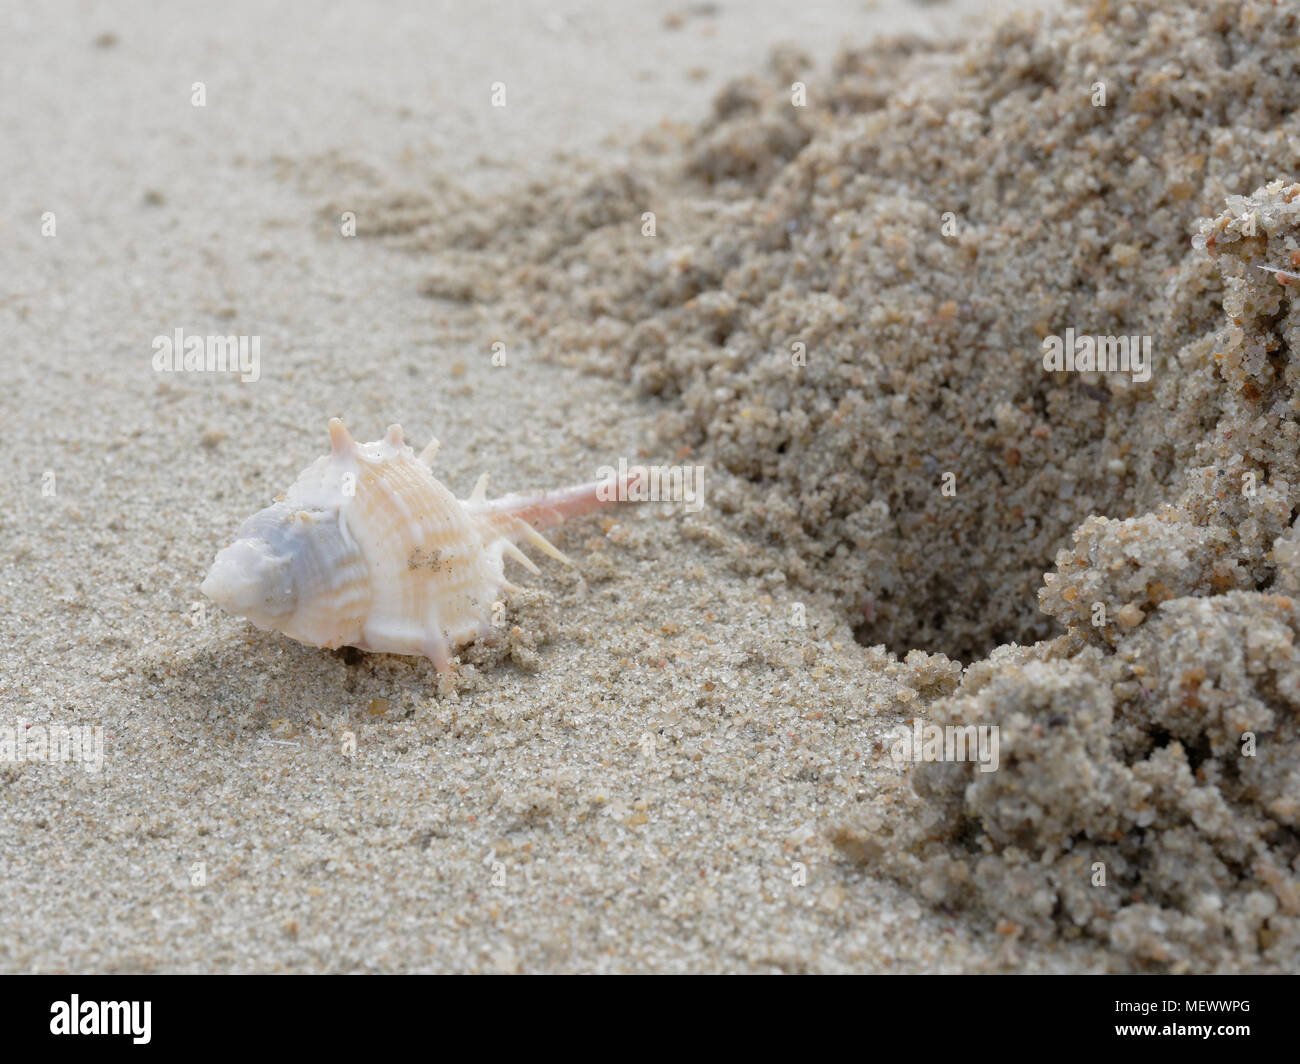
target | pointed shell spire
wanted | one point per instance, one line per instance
(341, 441)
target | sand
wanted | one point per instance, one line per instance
(856, 311)
(222, 744)
(677, 758)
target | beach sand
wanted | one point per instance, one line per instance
(677, 757)
(516, 824)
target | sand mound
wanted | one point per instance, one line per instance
(844, 305)
(824, 226)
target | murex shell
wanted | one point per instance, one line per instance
(368, 549)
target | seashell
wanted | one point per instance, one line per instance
(368, 549)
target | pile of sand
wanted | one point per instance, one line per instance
(843, 306)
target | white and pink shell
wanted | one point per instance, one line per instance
(368, 549)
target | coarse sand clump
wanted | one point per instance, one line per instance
(1149, 791)
(843, 306)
